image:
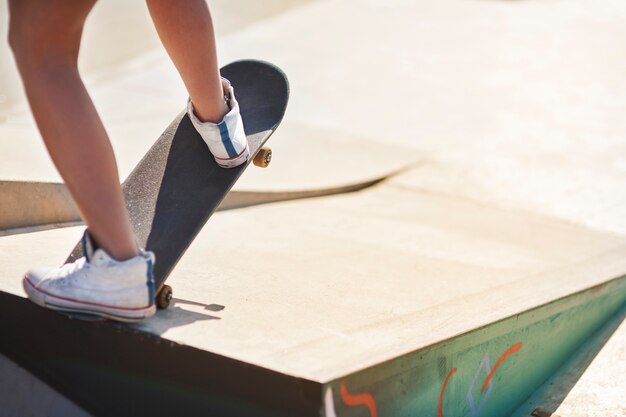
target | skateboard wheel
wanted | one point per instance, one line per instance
(263, 157)
(164, 297)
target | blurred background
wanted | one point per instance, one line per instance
(523, 100)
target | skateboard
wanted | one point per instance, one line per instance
(177, 186)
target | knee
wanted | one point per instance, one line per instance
(33, 44)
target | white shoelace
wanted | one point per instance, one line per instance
(68, 269)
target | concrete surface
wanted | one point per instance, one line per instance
(523, 100)
(139, 94)
(310, 296)
(528, 93)
(26, 206)
(514, 111)
(103, 49)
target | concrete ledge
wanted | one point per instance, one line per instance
(471, 299)
(114, 370)
(487, 371)
(25, 204)
(91, 363)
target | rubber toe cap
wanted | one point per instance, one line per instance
(36, 275)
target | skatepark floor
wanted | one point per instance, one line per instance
(510, 115)
(354, 280)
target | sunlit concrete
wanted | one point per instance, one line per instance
(350, 281)
(525, 99)
(513, 112)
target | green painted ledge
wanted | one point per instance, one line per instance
(487, 372)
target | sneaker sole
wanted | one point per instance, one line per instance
(241, 159)
(67, 305)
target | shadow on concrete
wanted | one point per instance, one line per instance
(210, 307)
(176, 316)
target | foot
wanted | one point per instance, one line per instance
(96, 284)
(226, 140)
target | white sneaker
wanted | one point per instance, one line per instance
(226, 140)
(96, 284)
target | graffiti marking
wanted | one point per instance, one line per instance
(505, 355)
(359, 399)
(486, 364)
(329, 403)
(443, 389)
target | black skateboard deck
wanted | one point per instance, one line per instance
(177, 185)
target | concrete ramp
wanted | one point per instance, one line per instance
(389, 301)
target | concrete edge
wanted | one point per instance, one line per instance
(110, 369)
(557, 390)
(489, 371)
(31, 206)
(26, 204)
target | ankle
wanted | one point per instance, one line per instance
(212, 113)
(123, 254)
(120, 250)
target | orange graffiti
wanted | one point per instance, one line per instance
(443, 389)
(359, 399)
(506, 354)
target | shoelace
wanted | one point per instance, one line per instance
(68, 269)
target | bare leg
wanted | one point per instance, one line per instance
(186, 30)
(45, 38)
